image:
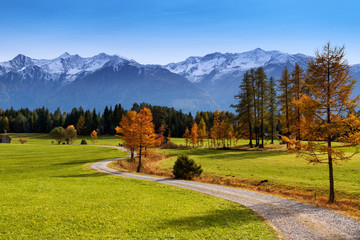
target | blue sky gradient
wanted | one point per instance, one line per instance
(163, 31)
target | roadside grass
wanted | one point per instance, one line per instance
(287, 175)
(45, 139)
(49, 192)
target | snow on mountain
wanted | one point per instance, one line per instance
(66, 67)
(195, 69)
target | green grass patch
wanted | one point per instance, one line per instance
(280, 168)
(45, 139)
(48, 192)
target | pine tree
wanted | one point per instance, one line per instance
(262, 94)
(297, 81)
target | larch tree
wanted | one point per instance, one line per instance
(297, 81)
(328, 112)
(128, 131)
(187, 136)
(80, 126)
(272, 109)
(194, 134)
(284, 99)
(145, 132)
(202, 132)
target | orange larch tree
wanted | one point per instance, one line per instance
(194, 134)
(145, 132)
(328, 112)
(202, 133)
(128, 131)
(187, 136)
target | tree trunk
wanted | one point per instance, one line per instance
(331, 176)
(139, 166)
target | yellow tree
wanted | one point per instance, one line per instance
(297, 81)
(186, 136)
(145, 132)
(128, 130)
(328, 111)
(93, 136)
(202, 133)
(194, 134)
(161, 137)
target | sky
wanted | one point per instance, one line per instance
(164, 31)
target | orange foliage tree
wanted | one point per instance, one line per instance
(194, 134)
(202, 133)
(128, 131)
(93, 136)
(145, 132)
(187, 136)
(328, 112)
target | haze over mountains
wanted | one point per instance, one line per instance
(197, 83)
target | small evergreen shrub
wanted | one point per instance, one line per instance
(83, 142)
(186, 168)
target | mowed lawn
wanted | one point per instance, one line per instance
(279, 168)
(49, 192)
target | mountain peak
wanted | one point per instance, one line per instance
(64, 55)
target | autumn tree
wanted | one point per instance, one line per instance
(202, 132)
(93, 136)
(194, 134)
(284, 99)
(328, 111)
(128, 131)
(187, 136)
(71, 134)
(297, 81)
(145, 132)
(272, 109)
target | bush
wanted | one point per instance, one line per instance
(186, 168)
(22, 140)
(83, 142)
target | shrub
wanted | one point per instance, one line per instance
(83, 142)
(186, 168)
(22, 140)
(169, 145)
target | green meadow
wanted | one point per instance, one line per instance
(49, 192)
(278, 167)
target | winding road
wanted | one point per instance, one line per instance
(291, 219)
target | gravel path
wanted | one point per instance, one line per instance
(292, 219)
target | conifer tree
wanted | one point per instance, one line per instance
(262, 94)
(128, 131)
(187, 136)
(328, 111)
(284, 99)
(297, 81)
(272, 108)
(194, 134)
(202, 133)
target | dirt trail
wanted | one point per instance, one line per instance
(294, 220)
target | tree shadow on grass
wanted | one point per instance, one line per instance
(217, 218)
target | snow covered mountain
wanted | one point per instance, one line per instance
(220, 74)
(70, 80)
(216, 65)
(197, 83)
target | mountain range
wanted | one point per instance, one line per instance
(197, 83)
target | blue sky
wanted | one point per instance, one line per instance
(163, 31)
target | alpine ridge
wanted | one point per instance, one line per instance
(197, 83)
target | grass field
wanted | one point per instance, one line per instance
(45, 139)
(279, 168)
(48, 192)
